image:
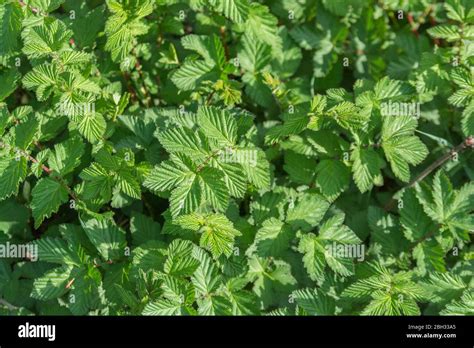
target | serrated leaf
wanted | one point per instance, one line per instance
(12, 172)
(218, 125)
(366, 168)
(52, 284)
(56, 250)
(92, 126)
(66, 156)
(45, 39)
(11, 17)
(333, 177)
(273, 238)
(214, 190)
(106, 236)
(48, 195)
(10, 79)
(186, 198)
(445, 31)
(235, 10)
(191, 74)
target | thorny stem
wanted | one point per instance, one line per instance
(209, 97)
(226, 47)
(413, 25)
(33, 9)
(138, 67)
(132, 92)
(466, 144)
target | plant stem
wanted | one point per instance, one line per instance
(440, 161)
(467, 143)
(138, 67)
(209, 97)
(226, 48)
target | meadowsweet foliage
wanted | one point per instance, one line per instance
(234, 157)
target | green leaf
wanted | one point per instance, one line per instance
(387, 88)
(12, 172)
(333, 177)
(10, 79)
(98, 182)
(26, 132)
(11, 17)
(56, 250)
(206, 278)
(429, 257)
(263, 25)
(169, 174)
(307, 212)
(163, 307)
(92, 126)
(234, 178)
(366, 168)
(347, 115)
(66, 156)
(186, 198)
(185, 141)
(106, 236)
(235, 10)
(5, 274)
(401, 152)
(300, 168)
(445, 31)
(180, 261)
(465, 306)
(218, 125)
(413, 218)
(45, 39)
(143, 228)
(273, 238)
(314, 302)
(468, 120)
(191, 74)
(455, 10)
(334, 230)
(46, 5)
(437, 203)
(124, 25)
(313, 259)
(52, 284)
(217, 232)
(48, 196)
(254, 55)
(126, 180)
(214, 190)
(43, 78)
(209, 47)
(258, 171)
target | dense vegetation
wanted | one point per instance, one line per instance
(236, 157)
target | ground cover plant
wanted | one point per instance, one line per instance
(236, 157)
